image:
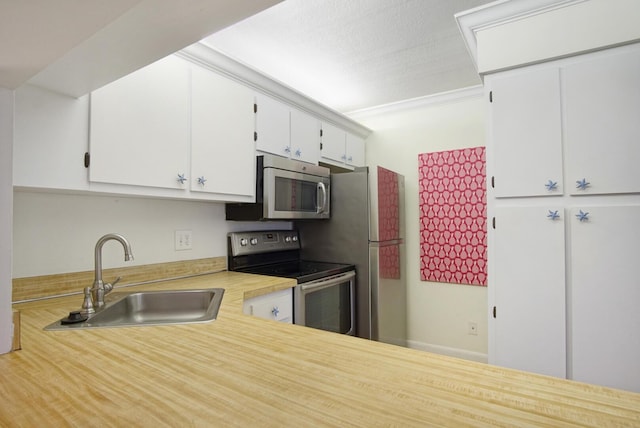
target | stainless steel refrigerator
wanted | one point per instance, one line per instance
(366, 229)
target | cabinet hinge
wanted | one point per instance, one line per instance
(255, 107)
(321, 132)
(494, 311)
(493, 222)
(255, 136)
(320, 146)
(493, 182)
(490, 96)
(87, 159)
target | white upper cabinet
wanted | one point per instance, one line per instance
(354, 153)
(305, 137)
(526, 129)
(605, 294)
(286, 131)
(139, 132)
(602, 120)
(50, 139)
(340, 147)
(333, 143)
(272, 126)
(222, 146)
(528, 283)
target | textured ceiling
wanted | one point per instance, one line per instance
(356, 54)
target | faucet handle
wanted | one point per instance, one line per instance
(87, 304)
(109, 286)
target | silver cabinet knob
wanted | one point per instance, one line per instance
(298, 153)
(275, 311)
(181, 179)
(553, 215)
(202, 180)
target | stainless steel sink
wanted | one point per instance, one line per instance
(145, 308)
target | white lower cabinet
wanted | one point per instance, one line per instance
(604, 324)
(593, 334)
(277, 306)
(528, 270)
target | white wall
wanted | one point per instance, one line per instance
(6, 203)
(56, 233)
(438, 313)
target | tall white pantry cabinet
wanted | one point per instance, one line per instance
(563, 167)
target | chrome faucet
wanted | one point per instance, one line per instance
(94, 296)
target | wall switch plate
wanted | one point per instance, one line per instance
(183, 240)
(472, 328)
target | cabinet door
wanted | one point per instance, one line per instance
(222, 146)
(529, 292)
(140, 127)
(272, 126)
(333, 143)
(526, 131)
(602, 99)
(277, 306)
(605, 293)
(354, 150)
(305, 137)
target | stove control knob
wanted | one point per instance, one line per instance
(243, 242)
(294, 238)
(287, 239)
(254, 241)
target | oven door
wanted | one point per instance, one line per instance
(295, 195)
(327, 303)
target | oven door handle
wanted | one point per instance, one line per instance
(327, 282)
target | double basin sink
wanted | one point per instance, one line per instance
(146, 308)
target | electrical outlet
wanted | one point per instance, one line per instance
(183, 240)
(472, 328)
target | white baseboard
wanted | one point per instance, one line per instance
(451, 352)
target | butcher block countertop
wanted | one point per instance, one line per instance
(248, 372)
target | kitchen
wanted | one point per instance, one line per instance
(445, 310)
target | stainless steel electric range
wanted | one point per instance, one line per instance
(325, 295)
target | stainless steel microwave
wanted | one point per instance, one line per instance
(286, 189)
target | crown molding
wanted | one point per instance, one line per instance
(456, 95)
(500, 12)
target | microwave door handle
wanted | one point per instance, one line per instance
(320, 208)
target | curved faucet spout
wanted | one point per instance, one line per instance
(98, 290)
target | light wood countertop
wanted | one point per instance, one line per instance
(249, 372)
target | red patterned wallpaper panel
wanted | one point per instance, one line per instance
(388, 222)
(453, 216)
